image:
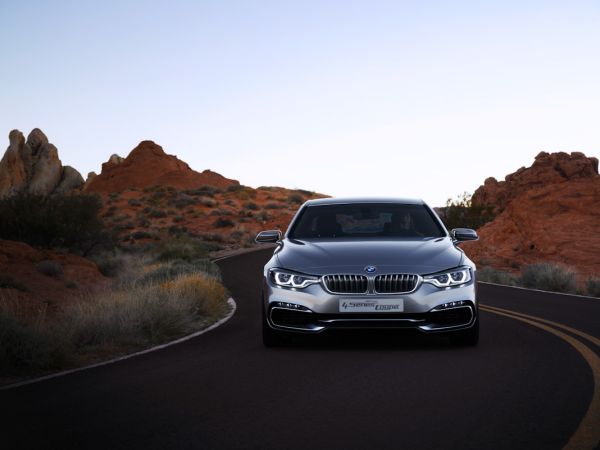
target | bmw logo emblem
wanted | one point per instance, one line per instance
(370, 269)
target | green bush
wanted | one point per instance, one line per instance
(67, 221)
(549, 277)
(251, 206)
(461, 213)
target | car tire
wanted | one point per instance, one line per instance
(271, 337)
(466, 338)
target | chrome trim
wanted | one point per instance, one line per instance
(469, 323)
(275, 326)
(371, 320)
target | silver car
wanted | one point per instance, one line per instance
(369, 264)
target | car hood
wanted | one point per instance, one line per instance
(321, 257)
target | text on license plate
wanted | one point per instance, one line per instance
(372, 305)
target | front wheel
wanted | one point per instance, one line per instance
(467, 338)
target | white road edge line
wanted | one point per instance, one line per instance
(540, 290)
(230, 302)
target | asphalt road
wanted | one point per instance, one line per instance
(522, 387)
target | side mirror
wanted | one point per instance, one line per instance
(270, 236)
(464, 234)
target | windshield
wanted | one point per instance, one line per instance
(389, 220)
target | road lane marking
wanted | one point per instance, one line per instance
(587, 435)
(586, 336)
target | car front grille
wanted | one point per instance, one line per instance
(346, 284)
(395, 283)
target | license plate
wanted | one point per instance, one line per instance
(372, 305)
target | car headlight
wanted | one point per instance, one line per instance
(289, 279)
(449, 278)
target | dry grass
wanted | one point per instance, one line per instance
(132, 316)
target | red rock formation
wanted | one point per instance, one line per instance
(148, 165)
(548, 168)
(549, 212)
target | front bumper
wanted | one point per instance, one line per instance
(312, 310)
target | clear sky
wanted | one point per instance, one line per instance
(394, 98)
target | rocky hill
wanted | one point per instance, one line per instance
(148, 165)
(33, 166)
(548, 212)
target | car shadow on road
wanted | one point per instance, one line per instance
(390, 340)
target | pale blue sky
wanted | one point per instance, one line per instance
(399, 98)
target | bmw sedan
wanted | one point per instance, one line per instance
(368, 264)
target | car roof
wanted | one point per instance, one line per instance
(350, 200)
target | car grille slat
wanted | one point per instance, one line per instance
(346, 284)
(395, 283)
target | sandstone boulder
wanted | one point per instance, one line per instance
(71, 180)
(33, 166)
(47, 171)
(36, 140)
(13, 170)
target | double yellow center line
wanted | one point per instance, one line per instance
(587, 435)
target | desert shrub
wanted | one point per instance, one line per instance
(182, 200)
(24, 348)
(593, 287)
(68, 221)
(182, 248)
(492, 275)
(208, 191)
(109, 263)
(295, 198)
(262, 216)
(178, 219)
(272, 205)
(134, 202)
(213, 237)
(140, 234)
(171, 269)
(461, 213)
(244, 220)
(114, 195)
(251, 206)
(8, 282)
(208, 202)
(549, 277)
(229, 202)
(235, 188)
(145, 314)
(304, 192)
(157, 213)
(50, 268)
(222, 223)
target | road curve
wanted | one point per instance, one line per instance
(522, 387)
